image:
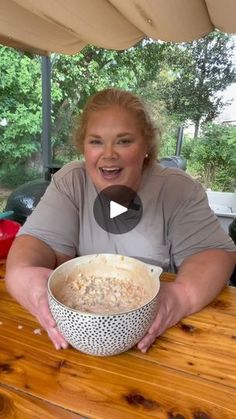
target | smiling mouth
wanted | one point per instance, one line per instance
(111, 172)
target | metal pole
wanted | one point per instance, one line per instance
(179, 141)
(46, 115)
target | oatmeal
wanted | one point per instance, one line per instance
(101, 294)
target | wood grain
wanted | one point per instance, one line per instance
(190, 372)
(2, 269)
(114, 387)
(16, 404)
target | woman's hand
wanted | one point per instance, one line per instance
(200, 278)
(172, 307)
(31, 293)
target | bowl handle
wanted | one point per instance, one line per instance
(157, 270)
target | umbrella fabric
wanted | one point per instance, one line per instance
(66, 26)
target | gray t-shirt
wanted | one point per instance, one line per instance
(177, 220)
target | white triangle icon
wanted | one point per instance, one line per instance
(116, 209)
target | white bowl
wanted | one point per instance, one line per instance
(105, 334)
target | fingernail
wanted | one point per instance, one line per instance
(64, 345)
(57, 347)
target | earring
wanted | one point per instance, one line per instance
(146, 155)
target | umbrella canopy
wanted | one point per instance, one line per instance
(66, 26)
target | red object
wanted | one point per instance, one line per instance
(8, 230)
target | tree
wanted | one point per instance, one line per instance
(20, 107)
(212, 157)
(192, 76)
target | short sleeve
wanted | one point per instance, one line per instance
(55, 220)
(193, 226)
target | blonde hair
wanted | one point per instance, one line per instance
(128, 101)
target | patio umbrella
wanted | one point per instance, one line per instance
(66, 26)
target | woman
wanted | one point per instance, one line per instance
(177, 231)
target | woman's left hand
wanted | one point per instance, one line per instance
(172, 307)
(200, 278)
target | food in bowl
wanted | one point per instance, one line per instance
(104, 304)
(101, 294)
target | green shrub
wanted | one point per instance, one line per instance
(16, 176)
(213, 157)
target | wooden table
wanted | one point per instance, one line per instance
(190, 372)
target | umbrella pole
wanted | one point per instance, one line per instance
(46, 116)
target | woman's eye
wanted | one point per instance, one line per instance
(95, 142)
(124, 141)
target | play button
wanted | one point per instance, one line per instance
(117, 209)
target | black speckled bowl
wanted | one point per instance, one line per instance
(105, 334)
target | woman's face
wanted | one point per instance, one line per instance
(114, 148)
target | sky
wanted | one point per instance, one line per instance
(229, 113)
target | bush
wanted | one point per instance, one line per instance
(213, 157)
(16, 176)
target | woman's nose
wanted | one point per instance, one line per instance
(109, 152)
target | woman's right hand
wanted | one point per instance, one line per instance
(31, 292)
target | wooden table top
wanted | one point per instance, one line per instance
(190, 372)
